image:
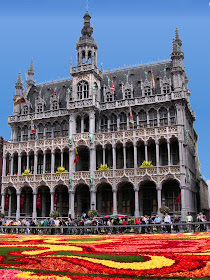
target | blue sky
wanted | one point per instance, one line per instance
(127, 32)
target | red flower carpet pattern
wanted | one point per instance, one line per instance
(166, 256)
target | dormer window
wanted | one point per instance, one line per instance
(39, 108)
(55, 105)
(83, 90)
(25, 110)
(166, 88)
(128, 94)
(109, 96)
(147, 91)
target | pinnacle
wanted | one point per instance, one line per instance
(176, 35)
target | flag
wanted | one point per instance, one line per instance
(153, 80)
(22, 200)
(32, 127)
(131, 116)
(112, 89)
(77, 155)
(55, 93)
(20, 100)
(55, 198)
(178, 199)
(6, 205)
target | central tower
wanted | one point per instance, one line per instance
(86, 75)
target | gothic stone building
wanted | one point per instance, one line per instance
(82, 112)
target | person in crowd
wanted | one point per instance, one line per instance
(157, 222)
(189, 220)
(167, 221)
(176, 221)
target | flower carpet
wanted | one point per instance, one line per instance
(103, 257)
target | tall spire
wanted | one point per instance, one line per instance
(31, 73)
(19, 85)
(176, 45)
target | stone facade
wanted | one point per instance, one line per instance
(148, 117)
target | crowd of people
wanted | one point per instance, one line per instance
(97, 225)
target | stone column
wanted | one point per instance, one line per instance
(159, 198)
(27, 162)
(157, 153)
(4, 166)
(136, 202)
(118, 123)
(69, 203)
(92, 159)
(137, 121)
(169, 153)
(72, 204)
(114, 191)
(12, 165)
(108, 125)
(146, 152)
(52, 201)
(10, 205)
(135, 155)
(124, 156)
(104, 155)
(141, 202)
(35, 163)
(18, 206)
(19, 165)
(52, 162)
(34, 205)
(62, 158)
(93, 200)
(44, 162)
(2, 202)
(114, 157)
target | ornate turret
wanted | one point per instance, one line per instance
(177, 57)
(31, 74)
(18, 86)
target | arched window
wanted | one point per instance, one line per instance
(142, 119)
(64, 128)
(172, 113)
(147, 91)
(86, 123)
(113, 122)
(40, 131)
(128, 94)
(163, 114)
(83, 90)
(166, 88)
(57, 129)
(104, 123)
(19, 133)
(78, 124)
(109, 97)
(25, 133)
(152, 117)
(39, 108)
(48, 130)
(25, 110)
(123, 121)
(55, 105)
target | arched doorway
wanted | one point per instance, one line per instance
(126, 199)
(61, 200)
(26, 201)
(82, 199)
(10, 204)
(170, 192)
(43, 202)
(104, 203)
(148, 198)
(84, 159)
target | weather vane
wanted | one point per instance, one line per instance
(87, 5)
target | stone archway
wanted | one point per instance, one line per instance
(44, 196)
(26, 201)
(61, 200)
(170, 192)
(148, 198)
(126, 199)
(11, 201)
(104, 203)
(82, 199)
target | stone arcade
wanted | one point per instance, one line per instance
(83, 112)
